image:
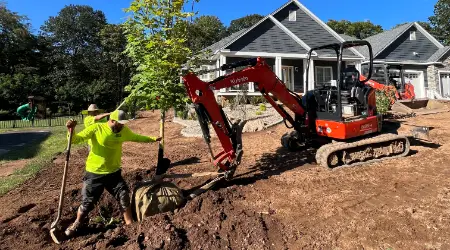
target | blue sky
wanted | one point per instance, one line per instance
(384, 12)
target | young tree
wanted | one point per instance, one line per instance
(440, 22)
(157, 44)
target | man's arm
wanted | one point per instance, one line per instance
(130, 136)
(83, 136)
(101, 116)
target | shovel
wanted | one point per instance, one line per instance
(63, 187)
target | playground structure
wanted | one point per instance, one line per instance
(36, 107)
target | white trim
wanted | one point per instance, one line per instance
(278, 66)
(222, 60)
(292, 16)
(256, 24)
(289, 33)
(428, 35)
(265, 54)
(343, 58)
(324, 25)
(445, 52)
(404, 63)
(323, 67)
(311, 74)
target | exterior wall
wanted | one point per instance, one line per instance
(298, 73)
(433, 76)
(403, 48)
(307, 29)
(269, 38)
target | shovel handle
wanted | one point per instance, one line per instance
(63, 184)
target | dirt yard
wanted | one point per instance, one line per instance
(278, 199)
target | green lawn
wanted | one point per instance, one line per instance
(46, 150)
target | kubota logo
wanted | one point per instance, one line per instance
(366, 126)
(239, 80)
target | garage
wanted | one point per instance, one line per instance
(445, 83)
(416, 80)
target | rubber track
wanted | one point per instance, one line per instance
(323, 152)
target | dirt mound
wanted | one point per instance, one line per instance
(277, 200)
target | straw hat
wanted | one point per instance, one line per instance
(93, 107)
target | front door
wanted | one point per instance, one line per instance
(416, 81)
(287, 76)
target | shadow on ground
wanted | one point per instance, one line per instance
(21, 145)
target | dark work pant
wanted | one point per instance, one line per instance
(94, 185)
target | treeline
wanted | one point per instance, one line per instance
(77, 57)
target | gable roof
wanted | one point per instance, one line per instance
(383, 40)
(348, 38)
(221, 44)
(439, 54)
(226, 42)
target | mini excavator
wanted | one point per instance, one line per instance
(345, 115)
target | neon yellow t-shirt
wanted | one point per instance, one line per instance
(88, 121)
(106, 152)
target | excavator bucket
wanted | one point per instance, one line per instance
(422, 106)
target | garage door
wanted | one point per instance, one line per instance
(416, 82)
(445, 84)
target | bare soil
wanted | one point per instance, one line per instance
(8, 168)
(277, 200)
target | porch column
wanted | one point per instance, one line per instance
(221, 61)
(278, 71)
(358, 66)
(311, 75)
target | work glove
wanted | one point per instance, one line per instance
(71, 124)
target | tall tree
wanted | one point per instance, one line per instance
(74, 35)
(244, 23)
(20, 61)
(204, 31)
(360, 30)
(440, 21)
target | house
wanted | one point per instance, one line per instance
(426, 61)
(284, 37)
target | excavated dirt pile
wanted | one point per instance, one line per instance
(277, 200)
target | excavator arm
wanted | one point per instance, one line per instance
(229, 134)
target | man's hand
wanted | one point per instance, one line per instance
(71, 124)
(158, 139)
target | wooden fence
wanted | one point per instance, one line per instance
(49, 122)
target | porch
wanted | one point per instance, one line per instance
(291, 69)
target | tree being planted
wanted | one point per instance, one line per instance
(157, 44)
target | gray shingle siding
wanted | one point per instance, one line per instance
(403, 48)
(307, 29)
(267, 37)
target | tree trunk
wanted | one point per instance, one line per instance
(163, 163)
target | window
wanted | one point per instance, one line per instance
(240, 87)
(412, 35)
(292, 15)
(324, 75)
(209, 76)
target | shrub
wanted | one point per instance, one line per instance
(255, 100)
(384, 100)
(258, 113)
(262, 107)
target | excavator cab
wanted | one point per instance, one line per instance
(350, 98)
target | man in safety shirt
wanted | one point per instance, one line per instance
(103, 165)
(94, 116)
